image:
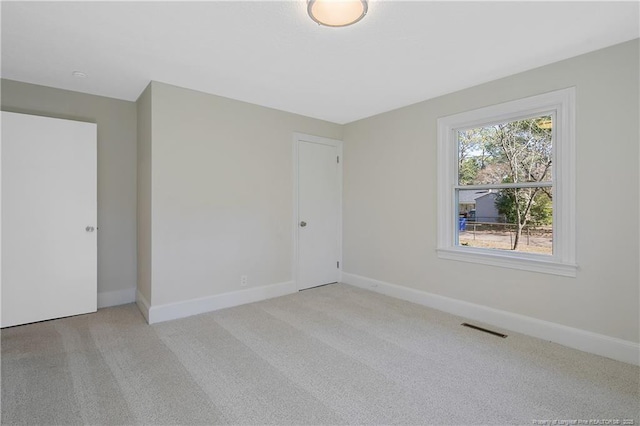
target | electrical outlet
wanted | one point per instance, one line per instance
(243, 281)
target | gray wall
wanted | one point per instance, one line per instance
(221, 193)
(144, 194)
(390, 199)
(116, 122)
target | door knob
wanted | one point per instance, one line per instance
(89, 228)
(303, 224)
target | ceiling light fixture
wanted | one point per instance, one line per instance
(337, 13)
(79, 74)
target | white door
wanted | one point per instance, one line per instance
(49, 205)
(318, 224)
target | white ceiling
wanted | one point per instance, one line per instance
(270, 53)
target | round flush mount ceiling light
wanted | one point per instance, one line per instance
(337, 13)
(79, 74)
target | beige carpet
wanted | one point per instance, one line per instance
(331, 355)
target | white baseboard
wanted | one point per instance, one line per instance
(599, 344)
(117, 297)
(201, 305)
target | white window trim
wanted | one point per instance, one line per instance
(563, 260)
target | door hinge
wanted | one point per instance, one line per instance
(338, 159)
(338, 265)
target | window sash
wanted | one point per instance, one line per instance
(497, 221)
(543, 184)
(507, 119)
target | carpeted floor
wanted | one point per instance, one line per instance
(331, 355)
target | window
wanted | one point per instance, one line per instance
(506, 184)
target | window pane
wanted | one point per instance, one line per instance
(512, 152)
(517, 219)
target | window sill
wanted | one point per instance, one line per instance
(521, 261)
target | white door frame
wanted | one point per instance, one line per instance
(297, 138)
